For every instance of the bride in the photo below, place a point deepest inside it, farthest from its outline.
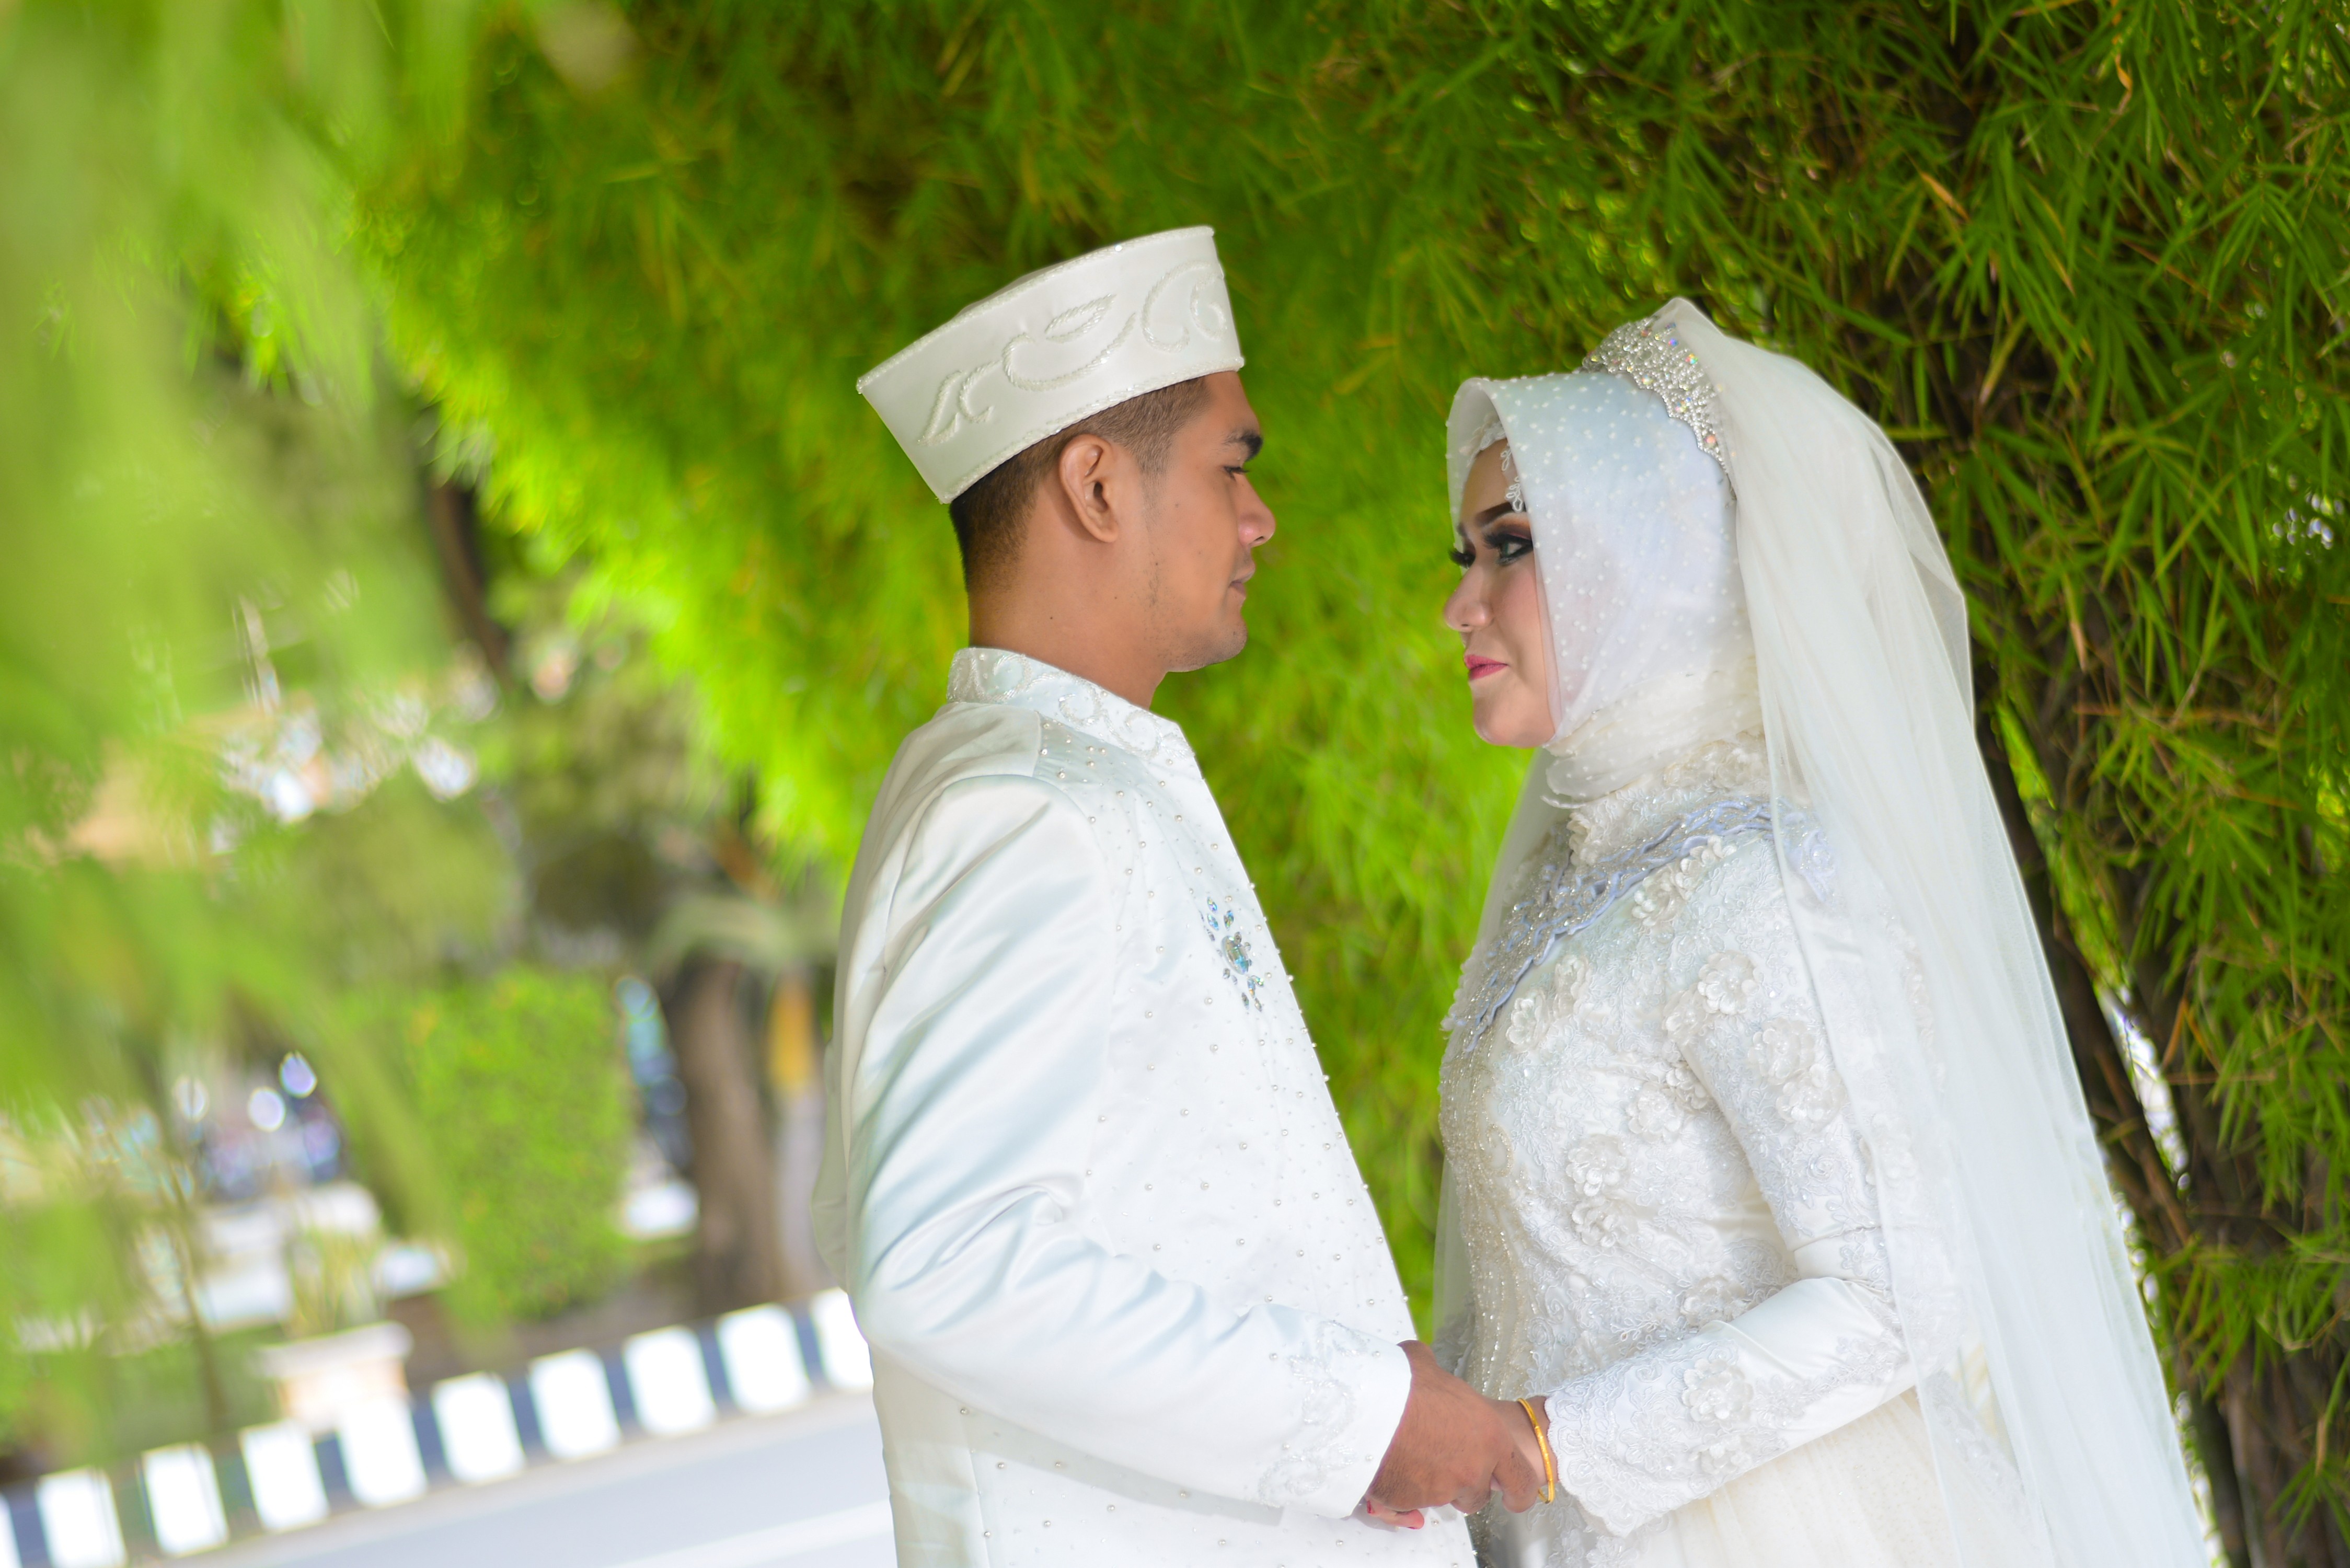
(1769, 1187)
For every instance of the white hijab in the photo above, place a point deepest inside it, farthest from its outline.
(1650, 646)
(1801, 582)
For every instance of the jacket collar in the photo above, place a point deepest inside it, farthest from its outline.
(1014, 680)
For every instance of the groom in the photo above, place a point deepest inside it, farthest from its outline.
(1127, 1298)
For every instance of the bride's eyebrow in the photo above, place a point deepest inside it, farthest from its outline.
(1492, 514)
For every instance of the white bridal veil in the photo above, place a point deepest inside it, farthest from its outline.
(1694, 498)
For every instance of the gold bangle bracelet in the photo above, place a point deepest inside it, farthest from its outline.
(1542, 1441)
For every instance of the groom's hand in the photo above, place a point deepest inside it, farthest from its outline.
(1453, 1446)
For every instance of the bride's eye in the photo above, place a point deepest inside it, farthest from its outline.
(1510, 547)
(1462, 556)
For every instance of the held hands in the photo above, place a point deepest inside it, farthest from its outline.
(1454, 1446)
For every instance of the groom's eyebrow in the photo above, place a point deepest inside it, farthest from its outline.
(1244, 436)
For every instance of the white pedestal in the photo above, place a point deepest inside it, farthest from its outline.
(318, 1379)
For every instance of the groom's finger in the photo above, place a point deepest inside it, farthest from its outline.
(1470, 1500)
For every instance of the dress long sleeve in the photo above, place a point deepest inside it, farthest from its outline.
(1658, 1430)
(961, 1210)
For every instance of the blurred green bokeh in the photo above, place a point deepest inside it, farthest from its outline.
(527, 1125)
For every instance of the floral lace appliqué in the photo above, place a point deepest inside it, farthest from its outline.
(1595, 1168)
(1713, 1299)
(1790, 1055)
(1539, 1008)
(1659, 900)
(1716, 1390)
(1725, 982)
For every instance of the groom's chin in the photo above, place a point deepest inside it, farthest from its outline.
(1225, 643)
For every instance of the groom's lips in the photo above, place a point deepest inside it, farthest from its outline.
(1481, 667)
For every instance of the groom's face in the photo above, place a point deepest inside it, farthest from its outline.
(1202, 524)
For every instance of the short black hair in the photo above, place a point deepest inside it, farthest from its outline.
(989, 515)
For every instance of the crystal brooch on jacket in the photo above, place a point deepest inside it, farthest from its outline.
(1239, 964)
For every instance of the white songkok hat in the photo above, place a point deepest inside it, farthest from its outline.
(1054, 347)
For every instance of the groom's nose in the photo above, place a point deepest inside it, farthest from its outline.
(1256, 517)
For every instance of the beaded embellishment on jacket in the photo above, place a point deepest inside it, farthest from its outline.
(1648, 354)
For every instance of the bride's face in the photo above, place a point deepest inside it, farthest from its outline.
(1497, 610)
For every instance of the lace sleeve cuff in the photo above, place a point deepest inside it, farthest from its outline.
(1644, 1437)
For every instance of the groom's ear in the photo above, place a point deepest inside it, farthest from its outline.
(1097, 484)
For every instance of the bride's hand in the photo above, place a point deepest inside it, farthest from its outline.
(1530, 1449)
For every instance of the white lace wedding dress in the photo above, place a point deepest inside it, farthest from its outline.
(1766, 1164)
(1668, 1216)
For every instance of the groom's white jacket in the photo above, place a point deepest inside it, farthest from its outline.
(1127, 1298)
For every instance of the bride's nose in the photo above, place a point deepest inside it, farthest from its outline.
(1465, 611)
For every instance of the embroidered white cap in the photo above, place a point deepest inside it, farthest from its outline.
(1059, 345)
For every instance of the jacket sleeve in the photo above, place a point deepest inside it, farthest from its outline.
(1661, 1429)
(974, 1091)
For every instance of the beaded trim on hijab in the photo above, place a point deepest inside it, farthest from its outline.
(1494, 434)
(1650, 356)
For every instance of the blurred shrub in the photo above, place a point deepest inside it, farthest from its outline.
(525, 1099)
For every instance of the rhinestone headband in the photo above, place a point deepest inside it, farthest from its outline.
(1648, 355)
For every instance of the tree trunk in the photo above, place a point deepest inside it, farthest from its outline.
(738, 1255)
(455, 521)
(2251, 1426)
(2133, 1161)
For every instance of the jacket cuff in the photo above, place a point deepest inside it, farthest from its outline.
(1352, 1390)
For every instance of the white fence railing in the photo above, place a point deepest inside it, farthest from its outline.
(464, 1431)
